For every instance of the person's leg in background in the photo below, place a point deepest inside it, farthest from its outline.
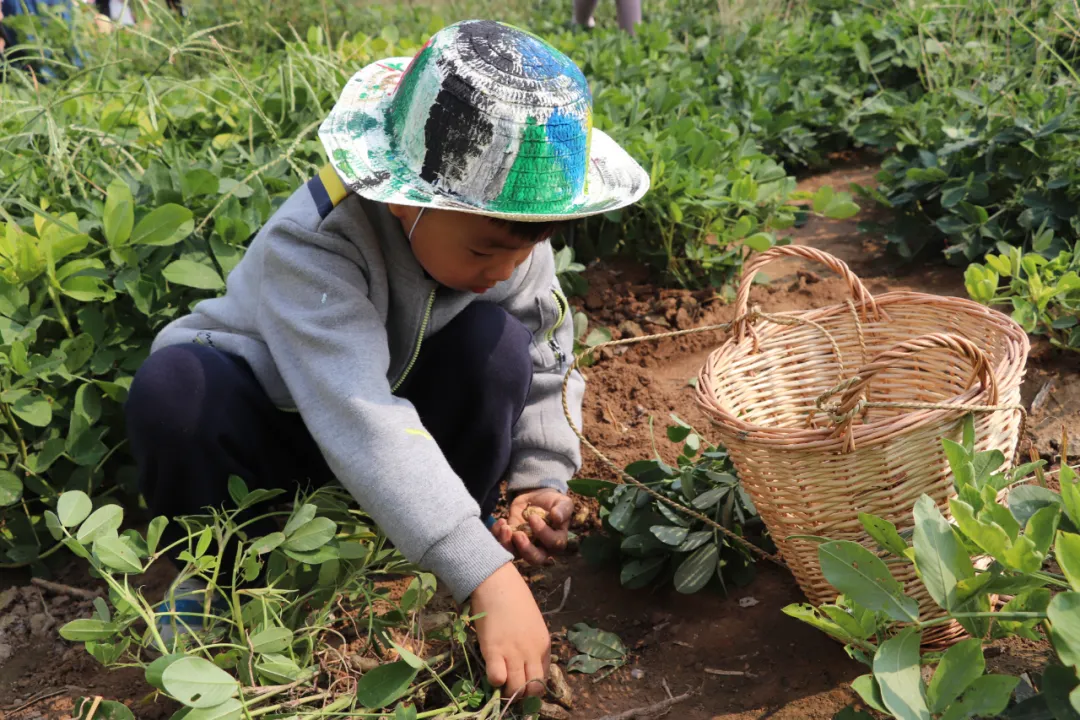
(583, 12)
(629, 13)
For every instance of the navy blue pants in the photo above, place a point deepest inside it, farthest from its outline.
(196, 415)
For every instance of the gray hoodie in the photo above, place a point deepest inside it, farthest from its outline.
(329, 306)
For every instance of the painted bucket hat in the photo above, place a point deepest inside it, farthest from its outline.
(487, 119)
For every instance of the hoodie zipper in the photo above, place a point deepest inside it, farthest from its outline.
(552, 342)
(419, 341)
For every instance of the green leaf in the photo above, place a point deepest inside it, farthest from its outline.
(884, 533)
(265, 544)
(198, 683)
(53, 523)
(860, 575)
(707, 499)
(155, 669)
(988, 696)
(959, 667)
(1025, 500)
(1070, 493)
(669, 534)
(596, 643)
(1059, 690)
(850, 713)
(73, 507)
(993, 539)
(85, 629)
(939, 556)
(870, 692)
(312, 535)
(166, 225)
(11, 488)
(590, 487)
(206, 535)
(384, 685)
(192, 274)
(760, 242)
(237, 489)
(1064, 615)
(106, 519)
(1067, 554)
(590, 665)
(959, 463)
(1036, 600)
(153, 533)
(34, 409)
(598, 336)
(1042, 526)
(896, 668)
(640, 572)
(696, 571)
(272, 640)
(231, 709)
(279, 668)
(88, 402)
(119, 213)
(198, 182)
(841, 209)
(408, 656)
(116, 554)
(622, 512)
(302, 516)
(822, 198)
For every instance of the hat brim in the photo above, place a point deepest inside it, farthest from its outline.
(355, 137)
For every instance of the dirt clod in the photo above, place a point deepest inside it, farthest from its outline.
(558, 689)
(363, 664)
(548, 711)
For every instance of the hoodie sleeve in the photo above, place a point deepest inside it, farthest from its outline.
(330, 346)
(546, 452)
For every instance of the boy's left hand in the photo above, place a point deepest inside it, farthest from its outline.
(551, 535)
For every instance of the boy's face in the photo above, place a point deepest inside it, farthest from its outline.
(463, 251)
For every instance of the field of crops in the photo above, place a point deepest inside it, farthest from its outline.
(136, 164)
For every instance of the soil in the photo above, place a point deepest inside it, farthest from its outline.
(791, 671)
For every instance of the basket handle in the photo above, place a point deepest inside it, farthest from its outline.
(742, 300)
(854, 394)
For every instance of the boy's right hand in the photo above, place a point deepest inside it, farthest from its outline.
(514, 638)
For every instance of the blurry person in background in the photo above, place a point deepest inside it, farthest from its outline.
(627, 11)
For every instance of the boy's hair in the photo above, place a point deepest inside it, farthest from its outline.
(532, 231)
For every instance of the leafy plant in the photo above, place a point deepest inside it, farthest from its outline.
(1044, 293)
(276, 613)
(655, 542)
(881, 625)
(569, 273)
(599, 649)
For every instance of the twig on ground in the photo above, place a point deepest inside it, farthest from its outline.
(663, 683)
(644, 712)
(43, 696)
(61, 589)
(730, 673)
(565, 597)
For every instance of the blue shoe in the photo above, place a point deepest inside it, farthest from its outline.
(188, 598)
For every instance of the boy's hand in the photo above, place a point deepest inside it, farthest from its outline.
(514, 638)
(551, 534)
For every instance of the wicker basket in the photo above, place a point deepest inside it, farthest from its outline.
(811, 472)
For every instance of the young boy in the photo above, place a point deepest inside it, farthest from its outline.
(397, 326)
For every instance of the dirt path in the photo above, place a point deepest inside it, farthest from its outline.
(793, 672)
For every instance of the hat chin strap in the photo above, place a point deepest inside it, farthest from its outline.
(417, 220)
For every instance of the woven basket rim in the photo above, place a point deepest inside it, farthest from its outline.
(879, 431)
